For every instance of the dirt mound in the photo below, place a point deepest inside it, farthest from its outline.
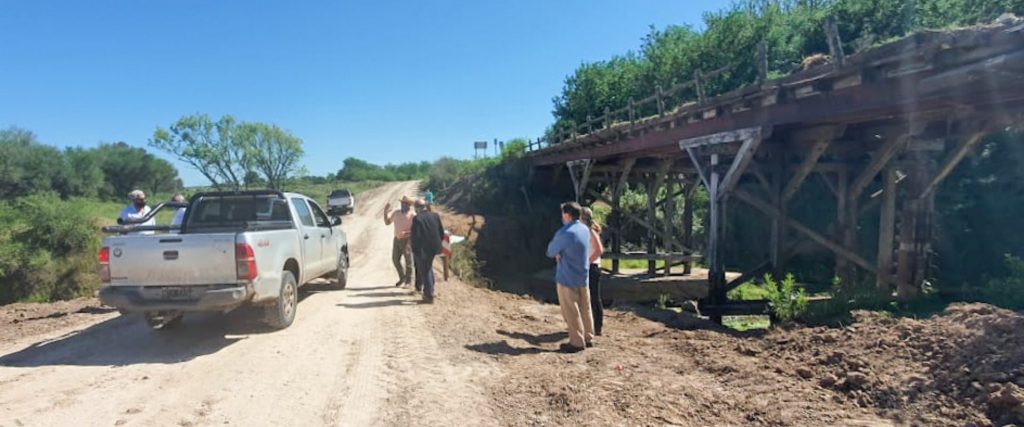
(966, 363)
(961, 367)
(26, 319)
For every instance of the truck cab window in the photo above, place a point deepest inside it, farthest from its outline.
(303, 211)
(321, 217)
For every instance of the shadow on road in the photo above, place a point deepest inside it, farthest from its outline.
(503, 348)
(127, 340)
(535, 339)
(385, 303)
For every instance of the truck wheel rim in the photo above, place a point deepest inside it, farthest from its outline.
(289, 300)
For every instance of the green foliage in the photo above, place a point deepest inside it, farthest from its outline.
(270, 151)
(786, 302)
(467, 267)
(47, 255)
(663, 301)
(354, 169)
(109, 171)
(229, 153)
(1006, 291)
(749, 291)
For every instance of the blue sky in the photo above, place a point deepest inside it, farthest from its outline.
(384, 81)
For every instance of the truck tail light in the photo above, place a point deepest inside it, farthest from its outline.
(245, 261)
(104, 258)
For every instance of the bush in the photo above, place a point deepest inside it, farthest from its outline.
(48, 254)
(786, 302)
(466, 266)
(1007, 291)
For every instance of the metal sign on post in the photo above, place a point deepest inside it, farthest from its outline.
(479, 147)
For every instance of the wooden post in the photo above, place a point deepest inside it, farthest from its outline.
(670, 214)
(590, 124)
(887, 227)
(652, 246)
(688, 224)
(607, 118)
(698, 83)
(627, 167)
(843, 222)
(777, 241)
(762, 63)
(716, 273)
(632, 113)
(835, 44)
(660, 96)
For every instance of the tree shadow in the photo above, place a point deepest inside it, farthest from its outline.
(382, 294)
(503, 348)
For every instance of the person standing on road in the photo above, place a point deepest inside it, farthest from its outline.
(136, 211)
(179, 215)
(596, 250)
(570, 247)
(427, 232)
(402, 219)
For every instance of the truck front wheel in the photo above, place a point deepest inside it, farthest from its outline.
(341, 274)
(281, 313)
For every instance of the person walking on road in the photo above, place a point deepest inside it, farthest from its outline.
(402, 219)
(596, 250)
(570, 247)
(427, 232)
(136, 211)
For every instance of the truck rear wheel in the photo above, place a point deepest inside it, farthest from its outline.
(281, 313)
(341, 274)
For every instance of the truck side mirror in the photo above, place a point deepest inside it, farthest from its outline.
(335, 221)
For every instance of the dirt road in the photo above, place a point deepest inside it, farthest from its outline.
(363, 356)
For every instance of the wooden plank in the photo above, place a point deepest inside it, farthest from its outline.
(688, 224)
(701, 170)
(950, 162)
(739, 165)
(887, 225)
(671, 256)
(754, 273)
(879, 159)
(756, 132)
(813, 235)
(805, 168)
(652, 245)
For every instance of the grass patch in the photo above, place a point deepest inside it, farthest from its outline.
(746, 323)
(631, 264)
(749, 291)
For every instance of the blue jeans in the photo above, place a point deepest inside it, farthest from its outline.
(425, 275)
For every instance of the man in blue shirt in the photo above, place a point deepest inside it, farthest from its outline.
(570, 248)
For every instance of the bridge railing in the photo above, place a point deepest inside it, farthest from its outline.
(669, 101)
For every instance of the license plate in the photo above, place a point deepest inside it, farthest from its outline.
(176, 293)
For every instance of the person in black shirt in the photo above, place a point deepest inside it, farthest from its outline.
(427, 232)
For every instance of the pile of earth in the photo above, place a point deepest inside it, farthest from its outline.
(966, 363)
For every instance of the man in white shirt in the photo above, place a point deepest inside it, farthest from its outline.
(136, 211)
(179, 216)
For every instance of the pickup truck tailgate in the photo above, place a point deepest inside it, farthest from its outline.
(170, 259)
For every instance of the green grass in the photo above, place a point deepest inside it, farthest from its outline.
(749, 291)
(746, 323)
(630, 264)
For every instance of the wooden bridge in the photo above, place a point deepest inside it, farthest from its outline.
(882, 128)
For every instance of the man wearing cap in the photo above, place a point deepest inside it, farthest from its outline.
(427, 233)
(136, 211)
(402, 219)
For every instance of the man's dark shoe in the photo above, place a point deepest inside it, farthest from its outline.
(400, 281)
(427, 300)
(569, 348)
(591, 344)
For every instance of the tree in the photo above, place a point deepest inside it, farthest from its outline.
(126, 168)
(209, 147)
(270, 150)
(26, 166)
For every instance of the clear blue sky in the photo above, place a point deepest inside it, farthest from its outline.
(383, 81)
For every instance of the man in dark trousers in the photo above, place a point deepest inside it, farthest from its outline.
(427, 233)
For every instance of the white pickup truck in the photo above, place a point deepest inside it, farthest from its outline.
(233, 248)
